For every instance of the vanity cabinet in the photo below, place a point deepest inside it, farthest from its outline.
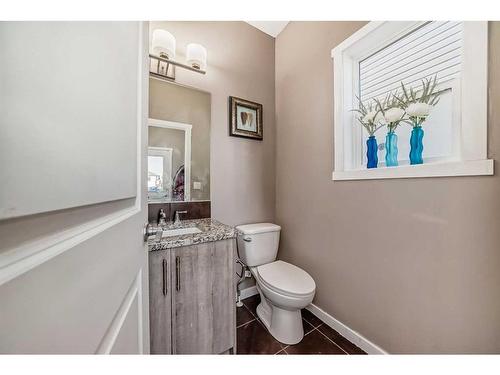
(192, 299)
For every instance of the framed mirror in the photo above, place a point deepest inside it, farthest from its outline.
(178, 143)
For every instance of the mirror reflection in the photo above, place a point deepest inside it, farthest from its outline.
(178, 143)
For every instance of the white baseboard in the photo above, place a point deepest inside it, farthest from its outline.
(248, 292)
(350, 334)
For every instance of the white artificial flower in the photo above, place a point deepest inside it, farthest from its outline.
(379, 118)
(418, 109)
(369, 117)
(394, 114)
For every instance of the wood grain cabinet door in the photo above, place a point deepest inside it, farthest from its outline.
(160, 302)
(203, 318)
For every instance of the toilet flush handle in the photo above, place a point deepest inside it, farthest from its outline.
(247, 239)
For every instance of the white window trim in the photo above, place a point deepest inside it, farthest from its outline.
(187, 149)
(473, 118)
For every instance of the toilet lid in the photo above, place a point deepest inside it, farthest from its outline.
(286, 278)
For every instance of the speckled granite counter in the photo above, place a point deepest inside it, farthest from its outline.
(211, 230)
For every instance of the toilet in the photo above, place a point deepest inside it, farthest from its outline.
(284, 289)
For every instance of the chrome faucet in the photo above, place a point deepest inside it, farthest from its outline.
(177, 219)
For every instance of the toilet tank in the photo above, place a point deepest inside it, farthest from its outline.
(258, 243)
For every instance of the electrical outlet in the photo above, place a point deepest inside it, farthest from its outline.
(197, 185)
(248, 273)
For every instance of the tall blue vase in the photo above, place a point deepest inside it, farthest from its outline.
(391, 149)
(416, 145)
(371, 152)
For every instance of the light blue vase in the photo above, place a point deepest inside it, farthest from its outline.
(391, 149)
(416, 145)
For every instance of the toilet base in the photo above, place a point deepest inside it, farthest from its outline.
(284, 325)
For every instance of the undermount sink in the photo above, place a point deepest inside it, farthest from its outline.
(179, 232)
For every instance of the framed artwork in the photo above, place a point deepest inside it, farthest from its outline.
(245, 118)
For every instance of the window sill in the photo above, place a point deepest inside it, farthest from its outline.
(437, 169)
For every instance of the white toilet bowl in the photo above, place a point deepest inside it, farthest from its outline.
(284, 289)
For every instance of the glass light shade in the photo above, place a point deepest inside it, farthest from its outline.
(163, 44)
(196, 56)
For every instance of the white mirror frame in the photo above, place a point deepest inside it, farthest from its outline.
(187, 149)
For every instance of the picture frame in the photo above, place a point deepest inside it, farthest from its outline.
(245, 119)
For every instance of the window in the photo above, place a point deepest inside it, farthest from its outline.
(373, 62)
(159, 172)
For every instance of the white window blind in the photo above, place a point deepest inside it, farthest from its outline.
(433, 48)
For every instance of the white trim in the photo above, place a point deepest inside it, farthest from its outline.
(472, 101)
(109, 339)
(249, 292)
(187, 149)
(475, 91)
(17, 261)
(347, 332)
(140, 325)
(438, 169)
(169, 124)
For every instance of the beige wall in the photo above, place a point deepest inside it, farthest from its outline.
(240, 63)
(411, 264)
(172, 102)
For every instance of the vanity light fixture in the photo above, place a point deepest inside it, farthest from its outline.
(162, 63)
(196, 56)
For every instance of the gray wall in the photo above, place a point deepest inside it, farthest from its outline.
(240, 63)
(411, 264)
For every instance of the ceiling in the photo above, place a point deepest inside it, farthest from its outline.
(272, 28)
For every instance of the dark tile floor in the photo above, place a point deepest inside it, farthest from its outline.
(319, 338)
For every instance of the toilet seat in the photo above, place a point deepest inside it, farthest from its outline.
(286, 279)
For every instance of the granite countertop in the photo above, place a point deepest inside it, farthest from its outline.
(211, 230)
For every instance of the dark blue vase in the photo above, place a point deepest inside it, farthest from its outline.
(391, 149)
(416, 145)
(371, 152)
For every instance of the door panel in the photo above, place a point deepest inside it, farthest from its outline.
(69, 113)
(75, 281)
(128, 340)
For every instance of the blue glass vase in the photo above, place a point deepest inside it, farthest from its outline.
(391, 149)
(416, 145)
(371, 152)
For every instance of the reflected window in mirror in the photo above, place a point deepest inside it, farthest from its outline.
(159, 173)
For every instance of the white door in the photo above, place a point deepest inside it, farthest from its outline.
(73, 112)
